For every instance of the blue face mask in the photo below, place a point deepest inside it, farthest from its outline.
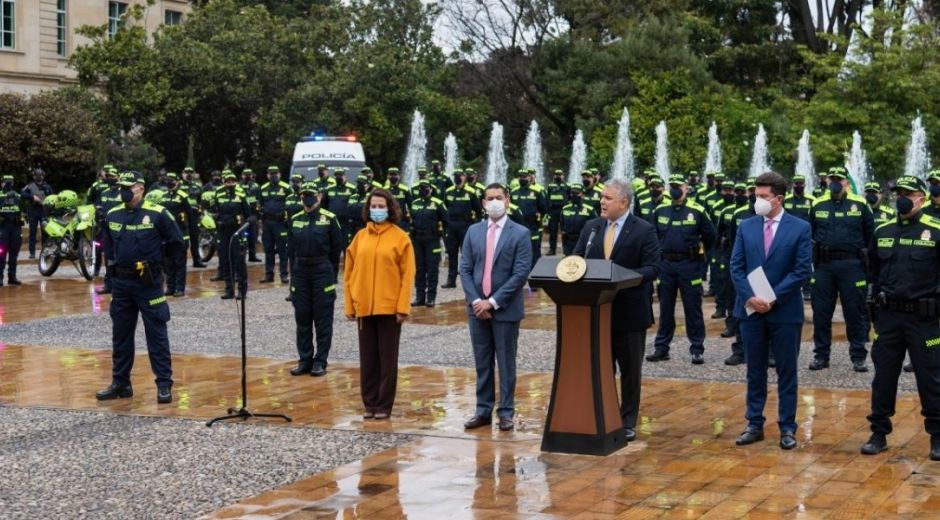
(378, 215)
(127, 195)
(675, 193)
(835, 186)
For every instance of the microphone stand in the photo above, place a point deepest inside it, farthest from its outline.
(242, 413)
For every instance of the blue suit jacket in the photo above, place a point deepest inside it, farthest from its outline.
(511, 267)
(787, 266)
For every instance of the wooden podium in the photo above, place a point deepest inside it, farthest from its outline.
(583, 413)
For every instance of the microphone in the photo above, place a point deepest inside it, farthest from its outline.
(590, 240)
(251, 220)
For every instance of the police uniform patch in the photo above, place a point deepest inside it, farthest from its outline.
(854, 207)
(925, 235)
(690, 217)
(146, 219)
(322, 218)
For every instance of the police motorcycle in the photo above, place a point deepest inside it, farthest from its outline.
(208, 233)
(68, 233)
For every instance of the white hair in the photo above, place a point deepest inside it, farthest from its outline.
(624, 190)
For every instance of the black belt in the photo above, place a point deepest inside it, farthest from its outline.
(310, 260)
(131, 273)
(676, 257)
(900, 305)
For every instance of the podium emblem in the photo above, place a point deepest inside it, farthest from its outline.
(571, 268)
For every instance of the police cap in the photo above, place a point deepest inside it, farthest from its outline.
(798, 178)
(837, 172)
(228, 174)
(657, 180)
(7, 178)
(273, 168)
(873, 186)
(309, 187)
(910, 183)
(131, 178)
(676, 179)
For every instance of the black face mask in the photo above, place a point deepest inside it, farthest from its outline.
(230, 190)
(740, 200)
(322, 175)
(798, 190)
(558, 178)
(675, 193)
(576, 199)
(523, 183)
(472, 179)
(586, 183)
(110, 181)
(458, 180)
(710, 183)
(340, 180)
(424, 192)
(751, 199)
(423, 175)
(217, 180)
(393, 179)
(127, 194)
(172, 185)
(656, 193)
(7, 186)
(904, 205)
(835, 187)
(934, 190)
(436, 169)
(361, 188)
(728, 198)
(871, 198)
(310, 200)
(296, 186)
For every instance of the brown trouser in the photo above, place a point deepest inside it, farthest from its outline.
(378, 361)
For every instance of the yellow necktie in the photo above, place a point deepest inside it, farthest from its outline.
(609, 239)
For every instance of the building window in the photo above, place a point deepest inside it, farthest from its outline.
(60, 28)
(116, 12)
(7, 24)
(172, 17)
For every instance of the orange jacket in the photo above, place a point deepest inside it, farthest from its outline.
(379, 272)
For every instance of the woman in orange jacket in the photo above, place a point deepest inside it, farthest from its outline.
(378, 276)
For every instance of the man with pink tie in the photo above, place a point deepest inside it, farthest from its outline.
(495, 262)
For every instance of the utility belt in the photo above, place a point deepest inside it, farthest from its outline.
(678, 257)
(311, 260)
(926, 308)
(143, 271)
(822, 254)
(274, 217)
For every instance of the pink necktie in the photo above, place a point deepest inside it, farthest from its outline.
(768, 236)
(488, 261)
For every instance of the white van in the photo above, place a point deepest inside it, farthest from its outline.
(331, 151)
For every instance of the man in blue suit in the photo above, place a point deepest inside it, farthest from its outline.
(494, 265)
(782, 245)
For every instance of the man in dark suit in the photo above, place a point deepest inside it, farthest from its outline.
(631, 242)
(494, 266)
(781, 244)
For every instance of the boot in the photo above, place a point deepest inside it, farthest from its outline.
(14, 281)
(877, 443)
(430, 302)
(719, 314)
(216, 278)
(229, 294)
(451, 284)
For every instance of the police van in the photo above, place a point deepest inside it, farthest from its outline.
(330, 151)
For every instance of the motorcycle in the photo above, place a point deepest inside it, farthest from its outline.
(69, 237)
(207, 237)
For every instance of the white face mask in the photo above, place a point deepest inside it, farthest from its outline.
(495, 208)
(762, 207)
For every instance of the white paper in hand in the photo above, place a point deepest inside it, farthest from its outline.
(761, 288)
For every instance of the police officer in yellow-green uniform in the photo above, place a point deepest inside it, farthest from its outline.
(654, 197)
(686, 233)
(882, 212)
(402, 194)
(574, 216)
(316, 239)
(798, 203)
(463, 209)
(190, 184)
(138, 232)
(740, 209)
(176, 203)
(11, 228)
(592, 193)
(252, 194)
(474, 182)
(104, 200)
(557, 193)
(439, 179)
(233, 211)
(338, 196)
(356, 202)
(904, 269)
(428, 221)
(721, 252)
(533, 207)
(323, 181)
(842, 225)
(932, 205)
(293, 205)
(272, 199)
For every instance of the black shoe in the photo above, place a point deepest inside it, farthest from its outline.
(698, 359)
(285, 279)
(289, 298)
(551, 252)
(727, 333)
(240, 296)
(318, 370)
(32, 257)
(719, 314)
(266, 279)
(104, 290)
(179, 294)
(505, 424)
(216, 278)
(300, 369)
(14, 281)
(164, 395)
(908, 367)
(449, 285)
(787, 441)
(199, 265)
(819, 364)
(771, 362)
(228, 295)
(417, 303)
(749, 436)
(877, 443)
(935, 447)
(114, 391)
(734, 360)
(629, 434)
(255, 260)
(859, 366)
(658, 355)
(477, 421)
(429, 303)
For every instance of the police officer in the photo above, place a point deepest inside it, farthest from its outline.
(97, 187)
(323, 181)
(177, 205)
(439, 179)
(574, 216)
(423, 176)
(160, 183)
(881, 212)
(685, 232)
(273, 199)
(214, 182)
(932, 206)
(293, 205)
(592, 195)
(731, 219)
(104, 199)
(252, 194)
(11, 224)
(316, 239)
(402, 194)
(33, 194)
(904, 269)
(369, 175)
(463, 209)
(233, 211)
(557, 192)
(653, 197)
(842, 228)
(474, 183)
(193, 189)
(138, 233)
(798, 203)
(338, 197)
(356, 202)
(721, 253)
(533, 207)
(428, 220)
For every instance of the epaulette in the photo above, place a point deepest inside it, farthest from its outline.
(855, 198)
(437, 200)
(283, 184)
(327, 213)
(695, 205)
(298, 214)
(742, 208)
(150, 206)
(265, 185)
(119, 207)
(825, 197)
(929, 221)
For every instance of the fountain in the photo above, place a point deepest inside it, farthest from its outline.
(578, 158)
(417, 147)
(662, 151)
(451, 158)
(918, 157)
(804, 163)
(622, 165)
(496, 164)
(532, 154)
(713, 159)
(856, 163)
(760, 160)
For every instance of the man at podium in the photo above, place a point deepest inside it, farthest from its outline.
(630, 242)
